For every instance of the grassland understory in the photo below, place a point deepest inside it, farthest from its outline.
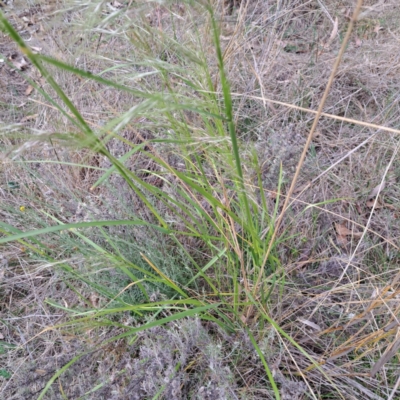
(156, 241)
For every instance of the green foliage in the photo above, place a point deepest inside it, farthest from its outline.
(217, 209)
(5, 374)
(207, 230)
(4, 347)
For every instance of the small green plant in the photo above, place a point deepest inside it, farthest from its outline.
(5, 374)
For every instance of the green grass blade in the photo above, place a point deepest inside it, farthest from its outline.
(58, 373)
(77, 225)
(264, 362)
(174, 317)
(35, 61)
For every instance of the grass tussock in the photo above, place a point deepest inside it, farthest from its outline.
(199, 200)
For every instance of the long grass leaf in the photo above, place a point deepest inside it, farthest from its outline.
(77, 225)
(174, 317)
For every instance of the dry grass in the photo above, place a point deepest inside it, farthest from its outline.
(339, 246)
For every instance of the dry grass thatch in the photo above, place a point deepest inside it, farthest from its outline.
(338, 242)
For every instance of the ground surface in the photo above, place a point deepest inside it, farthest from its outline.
(341, 249)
